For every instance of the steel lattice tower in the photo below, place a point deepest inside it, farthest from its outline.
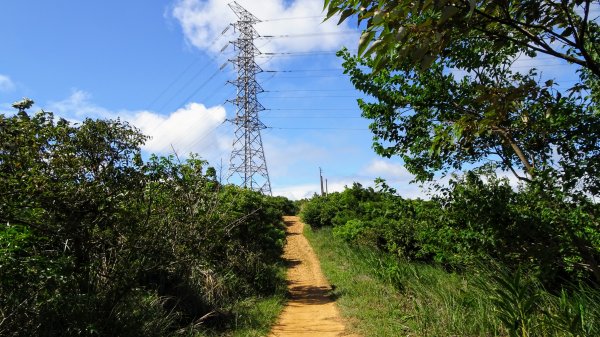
(247, 159)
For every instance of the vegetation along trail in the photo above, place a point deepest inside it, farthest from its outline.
(311, 311)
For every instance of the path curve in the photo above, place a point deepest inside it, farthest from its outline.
(310, 311)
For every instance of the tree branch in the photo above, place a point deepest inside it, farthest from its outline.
(508, 164)
(505, 134)
(539, 44)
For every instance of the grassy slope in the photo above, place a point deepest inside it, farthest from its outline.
(382, 296)
(371, 307)
(431, 303)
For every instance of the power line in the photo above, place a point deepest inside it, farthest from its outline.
(306, 34)
(290, 54)
(319, 128)
(293, 18)
(312, 96)
(192, 79)
(302, 70)
(181, 74)
(172, 83)
(309, 90)
(311, 117)
(310, 109)
(314, 76)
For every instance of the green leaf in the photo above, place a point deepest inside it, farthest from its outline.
(401, 33)
(365, 39)
(377, 17)
(345, 14)
(374, 46)
(331, 12)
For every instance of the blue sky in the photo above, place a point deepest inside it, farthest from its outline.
(157, 65)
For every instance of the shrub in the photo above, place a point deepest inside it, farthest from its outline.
(94, 241)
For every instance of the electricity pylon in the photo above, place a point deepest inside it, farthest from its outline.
(247, 160)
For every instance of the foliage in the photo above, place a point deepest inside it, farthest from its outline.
(287, 206)
(95, 241)
(381, 295)
(448, 95)
(471, 222)
(425, 30)
(515, 303)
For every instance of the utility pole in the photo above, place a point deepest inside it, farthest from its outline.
(247, 162)
(326, 187)
(321, 176)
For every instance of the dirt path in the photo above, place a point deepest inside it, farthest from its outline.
(310, 310)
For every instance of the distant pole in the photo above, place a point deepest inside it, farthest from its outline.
(321, 176)
(326, 187)
(221, 172)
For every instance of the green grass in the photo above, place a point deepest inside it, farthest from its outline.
(382, 296)
(370, 306)
(253, 317)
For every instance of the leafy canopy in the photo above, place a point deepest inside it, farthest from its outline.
(448, 93)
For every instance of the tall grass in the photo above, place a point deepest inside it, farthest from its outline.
(382, 296)
(251, 317)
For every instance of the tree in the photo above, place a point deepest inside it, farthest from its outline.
(96, 242)
(448, 95)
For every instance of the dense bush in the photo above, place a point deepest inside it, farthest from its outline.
(533, 252)
(287, 206)
(472, 222)
(95, 241)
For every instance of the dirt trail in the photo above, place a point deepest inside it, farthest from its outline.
(310, 310)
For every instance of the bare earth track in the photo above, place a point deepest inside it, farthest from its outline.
(310, 311)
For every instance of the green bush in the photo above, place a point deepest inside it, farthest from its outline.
(471, 222)
(96, 242)
(350, 231)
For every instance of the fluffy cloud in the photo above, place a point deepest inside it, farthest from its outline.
(301, 191)
(191, 129)
(203, 21)
(6, 84)
(397, 177)
(394, 173)
(78, 106)
(296, 192)
(291, 157)
(390, 170)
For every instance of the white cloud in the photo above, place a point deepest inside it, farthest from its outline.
(191, 129)
(79, 105)
(6, 84)
(286, 158)
(394, 173)
(390, 170)
(203, 21)
(397, 177)
(297, 192)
